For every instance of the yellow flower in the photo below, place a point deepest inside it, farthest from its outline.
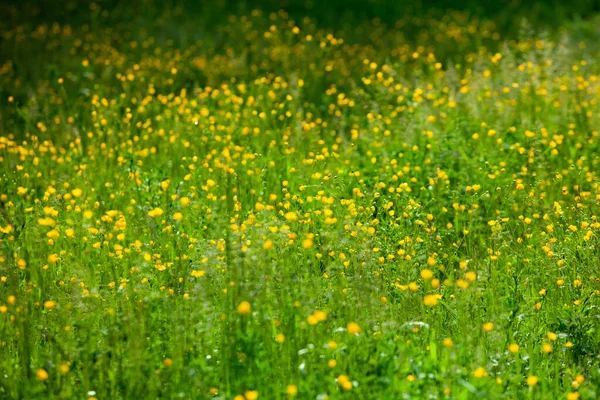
(320, 315)
(480, 373)
(513, 348)
(77, 192)
(64, 368)
(268, 244)
(532, 380)
(198, 273)
(291, 216)
(8, 229)
(41, 374)
(49, 304)
(292, 390)
(488, 327)
(251, 394)
(157, 212)
(426, 274)
(432, 299)
(178, 216)
(547, 348)
(46, 221)
(353, 328)
(244, 307)
(344, 382)
(307, 243)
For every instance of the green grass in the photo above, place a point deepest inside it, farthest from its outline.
(261, 205)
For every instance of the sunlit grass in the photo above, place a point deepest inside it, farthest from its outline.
(273, 210)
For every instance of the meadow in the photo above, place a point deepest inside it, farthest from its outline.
(264, 204)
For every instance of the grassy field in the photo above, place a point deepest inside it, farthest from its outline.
(252, 203)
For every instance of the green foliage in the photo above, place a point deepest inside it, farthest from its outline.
(232, 200)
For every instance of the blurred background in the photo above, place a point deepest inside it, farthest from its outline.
(549, 14)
